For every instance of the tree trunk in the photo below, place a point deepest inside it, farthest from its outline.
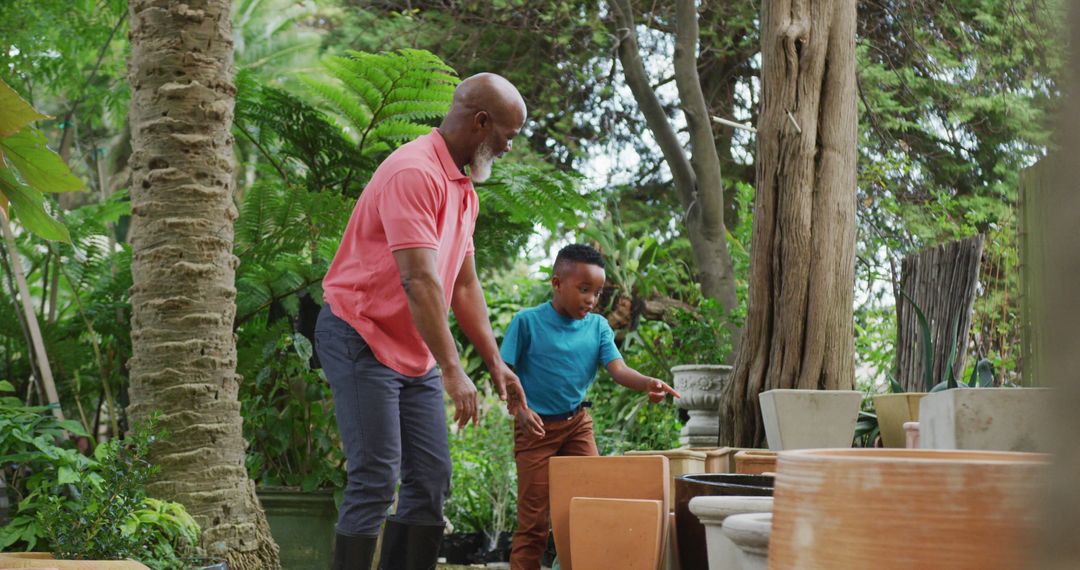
(183, 362)
(942, 282)
(799, 331)
(697, 178)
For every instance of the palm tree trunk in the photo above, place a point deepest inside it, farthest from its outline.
(183, 296)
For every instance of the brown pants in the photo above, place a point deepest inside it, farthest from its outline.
(570, 437)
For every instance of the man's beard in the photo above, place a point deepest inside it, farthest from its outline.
(480, 167)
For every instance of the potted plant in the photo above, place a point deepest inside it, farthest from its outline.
(294, 454)
(955, 416)
(898, 407)
(699, 343)
(482, 506)
(89, 512)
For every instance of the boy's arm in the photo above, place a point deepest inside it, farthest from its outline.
(470, 308)
(635, 380)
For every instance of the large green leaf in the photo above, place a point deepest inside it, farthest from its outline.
(40, 167)
(28, 204)
(15, 113)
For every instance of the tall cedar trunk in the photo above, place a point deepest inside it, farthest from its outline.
(802, 272)
(183, 296)
(942, 282)
(697, 177)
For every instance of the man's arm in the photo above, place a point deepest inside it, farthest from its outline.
(626, 376)
(470, 308)
(426, 303)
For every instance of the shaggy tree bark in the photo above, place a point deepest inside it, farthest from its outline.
(697, 177)
(942, 282)
(799, 331)
(183, 294)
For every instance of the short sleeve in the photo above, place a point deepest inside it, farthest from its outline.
(409, 206)
(514, 341)
(608, 350)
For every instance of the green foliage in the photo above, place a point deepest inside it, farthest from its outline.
(86, 508)
(28, 169)
(288, 414)
(483, 488)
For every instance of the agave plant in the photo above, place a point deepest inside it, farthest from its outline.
(982, 376)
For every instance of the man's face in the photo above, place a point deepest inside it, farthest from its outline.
(577, 289)
(497, 142)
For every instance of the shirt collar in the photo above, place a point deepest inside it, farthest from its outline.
(447, 161)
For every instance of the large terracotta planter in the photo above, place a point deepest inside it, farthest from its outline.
(622, 533)
(680, 462)
(840, 509)
(989, 419)
(641, 477)
(755, 462)
(750, 534)
(808, 419)
(713, 511)
(693, 554)
(893, 410)
(302, 523)
(700, 386)
(46, 560)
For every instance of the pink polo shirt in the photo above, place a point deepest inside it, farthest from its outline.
(417, 198)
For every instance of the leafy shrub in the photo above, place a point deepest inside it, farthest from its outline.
(289, 418)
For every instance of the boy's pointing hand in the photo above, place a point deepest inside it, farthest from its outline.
(658, 390)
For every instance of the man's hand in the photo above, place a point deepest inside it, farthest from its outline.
(509, 387)
(530, 422)
(658, 390)
(463, 392)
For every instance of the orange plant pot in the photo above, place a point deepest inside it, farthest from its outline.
(755, 462)
(841, 509)
(43, 560)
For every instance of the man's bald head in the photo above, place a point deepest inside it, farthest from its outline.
(487, 112)
(491, 93)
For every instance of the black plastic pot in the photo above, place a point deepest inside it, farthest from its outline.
(461, 548)
(501, 552)
(693, 554)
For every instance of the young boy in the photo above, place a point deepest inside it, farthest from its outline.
(555, 349)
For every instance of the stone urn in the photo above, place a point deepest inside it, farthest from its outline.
(700, 386)
(750, 533)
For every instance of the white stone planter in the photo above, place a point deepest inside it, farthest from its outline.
(809, 419)
(712, 512)
(700, 386)
(986, 419)
(750, 533)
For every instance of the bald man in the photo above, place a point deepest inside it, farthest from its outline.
(383, 335)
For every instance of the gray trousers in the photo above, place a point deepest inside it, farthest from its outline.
(390, 425)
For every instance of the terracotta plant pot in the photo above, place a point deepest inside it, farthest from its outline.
(893, 411)
(680, 462)
(809, 419)
(46, 560)
(713, 511)
(755, 462)
(624, 533)
(693, 554)
(750, 534)
(988, 419)
(911, 435)
(700, 386)
(889, 509)
(642, 477)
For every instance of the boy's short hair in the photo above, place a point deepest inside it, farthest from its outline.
(577, 253)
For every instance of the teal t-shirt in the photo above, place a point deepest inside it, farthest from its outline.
(556, 357)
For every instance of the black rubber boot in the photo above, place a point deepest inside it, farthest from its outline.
(353, 552)
(409, 546)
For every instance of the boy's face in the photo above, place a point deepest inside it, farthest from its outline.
(577, 289)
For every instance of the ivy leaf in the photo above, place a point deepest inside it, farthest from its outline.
(40, 167)
(28, 205)
(15, 112)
